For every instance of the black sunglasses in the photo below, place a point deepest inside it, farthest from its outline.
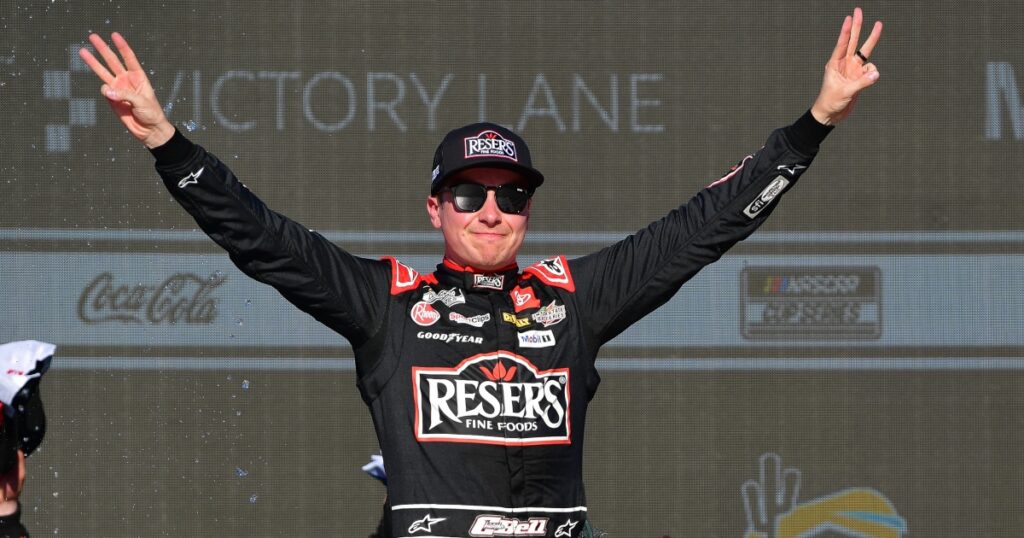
(470, 197)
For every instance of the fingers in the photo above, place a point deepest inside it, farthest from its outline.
(869, 45)
(871, 76)
(131, 98)
(113, 63)
(844, 38)
(96, 66)
(858, 20)
(130, 61)
(114, 68)
(110, 93)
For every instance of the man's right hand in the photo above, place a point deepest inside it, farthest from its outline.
(128, 91)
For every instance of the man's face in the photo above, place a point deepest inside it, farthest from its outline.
(487, 239)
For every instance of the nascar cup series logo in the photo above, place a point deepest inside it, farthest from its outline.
(811, 302)
(492, 398)
(490, 144)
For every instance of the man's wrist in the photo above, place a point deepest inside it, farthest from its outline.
(807, 133)
(822, 116)
(160, 135)
(175, 150)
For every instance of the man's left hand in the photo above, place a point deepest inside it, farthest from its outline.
(847, 72)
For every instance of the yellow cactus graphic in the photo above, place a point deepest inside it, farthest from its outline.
(773, 511)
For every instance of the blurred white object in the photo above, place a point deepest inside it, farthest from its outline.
(376, 468)
(20, 362)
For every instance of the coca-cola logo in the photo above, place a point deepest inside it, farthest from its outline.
(181, 298)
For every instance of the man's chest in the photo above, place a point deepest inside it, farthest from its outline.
(491, 368)
(440, 326)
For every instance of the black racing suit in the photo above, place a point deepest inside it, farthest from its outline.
(478, 384)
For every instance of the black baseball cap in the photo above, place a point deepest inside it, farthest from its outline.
(482, 145)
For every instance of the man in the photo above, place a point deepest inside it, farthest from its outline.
(478, 375)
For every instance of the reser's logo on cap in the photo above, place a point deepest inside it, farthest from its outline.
(490, 144)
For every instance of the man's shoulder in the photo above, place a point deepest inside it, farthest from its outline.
(405, 278)
(553, 272)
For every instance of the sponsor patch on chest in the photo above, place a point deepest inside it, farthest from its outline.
(488, 282)
(536, 339)
(494, 525)
(449, 297)
(550, 314)
(524, 298)
(475, 321)
(423, 314)
(508, 317)
(493, 398)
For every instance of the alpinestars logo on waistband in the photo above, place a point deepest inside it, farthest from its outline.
(424, 524)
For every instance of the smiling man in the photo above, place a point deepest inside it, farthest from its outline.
(481, 185)
(478, 375)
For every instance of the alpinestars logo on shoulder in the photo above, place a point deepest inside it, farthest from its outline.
(493, 398)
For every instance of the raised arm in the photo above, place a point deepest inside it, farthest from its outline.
(345, 292)
(624, 282)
